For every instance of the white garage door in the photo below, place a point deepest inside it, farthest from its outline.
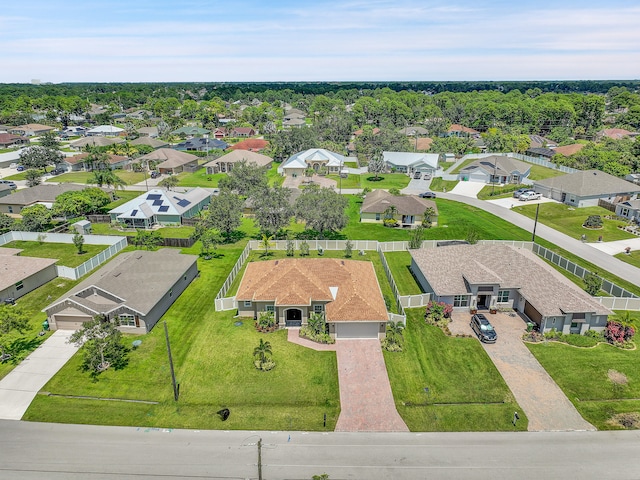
(357, 330)
(70, 322)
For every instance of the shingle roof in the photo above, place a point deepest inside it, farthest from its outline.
(160, 202)
(16, 268)
(538, 141)
(171, 157)
(298, 282)
(140, 279)
(615, 133)
(40, 193)
(378, 201)
(589, 183)
(96, 141)
(152, 142)
(240, 155)
(112, 159)
(501, 164)
(191, 131)
(446, 269)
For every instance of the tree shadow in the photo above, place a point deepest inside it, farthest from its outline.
(21, 347)
(234, 237)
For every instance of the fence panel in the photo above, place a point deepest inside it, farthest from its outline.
(227, 303)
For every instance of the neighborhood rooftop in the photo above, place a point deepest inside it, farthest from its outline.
(590, 182)
(378, 201)
(14, 268)
(450, 269)
(350, 286)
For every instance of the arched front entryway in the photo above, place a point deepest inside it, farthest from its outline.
(293, 317)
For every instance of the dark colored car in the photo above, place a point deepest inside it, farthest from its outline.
(20, 168)
(155, 174)
(483, 328)
(57, 171)
(427, 195)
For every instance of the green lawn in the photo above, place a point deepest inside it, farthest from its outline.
(66, 253)
(399, 263)
(16, 176)
(351, 182)
(438, 184)
(633, 258)
(213, 361)
(582, 374)
(200, 178)
(123, 196)
(127, 176)
(466, 391)
(464, 164)
(388, 180)
(538, 172)
(492, 192)
(569, 220)
(350, 164)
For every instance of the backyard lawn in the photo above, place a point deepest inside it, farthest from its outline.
(538, 172)
(213, 360)
(66, 253)
(399, 263)
(466, 391)
(583, 375)
(166, 232)
(569, 220)
(387, 181)
(130, 178)
(200, 178)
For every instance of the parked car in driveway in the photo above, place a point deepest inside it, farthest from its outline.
(11, 184)
(530, 196)
(483, 328)
(20, 168)
(520, 191)
(427, 195)
(417, 175)
(57, 171)
(155, 174)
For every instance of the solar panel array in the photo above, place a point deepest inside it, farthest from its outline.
(154, 196)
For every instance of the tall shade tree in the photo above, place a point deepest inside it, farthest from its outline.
(12, 319)
(224, 214)
(39, 157)
(377, 165)
(33, 177)
(245, 178)
(102, 346)
(35, 218)
(322, 209)
(272, 209)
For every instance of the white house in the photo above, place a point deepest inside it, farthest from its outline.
(104, 130)
(408, 162)
(315, 158)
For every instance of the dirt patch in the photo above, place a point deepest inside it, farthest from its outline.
(617, 378)
(629, 420)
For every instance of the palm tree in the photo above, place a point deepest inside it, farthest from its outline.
(429, 213)
(106, 177)
(394, 331)
(262, 350)
(266, 243)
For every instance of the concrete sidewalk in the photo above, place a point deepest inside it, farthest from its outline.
(20, 386)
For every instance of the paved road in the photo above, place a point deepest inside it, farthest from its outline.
(575, 246)
(35, 451)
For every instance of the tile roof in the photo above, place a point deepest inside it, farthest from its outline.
(461, 128)
(448, 269)
(412, 159)
(137, 279)
(615, 133)
(300, 159)
(377, 201)
(299, 281)
(589, 183)
(14, 268)
(568, 150)
(251, 144)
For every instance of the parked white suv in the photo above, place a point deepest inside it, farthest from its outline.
(530, 196)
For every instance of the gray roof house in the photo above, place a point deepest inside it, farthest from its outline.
(410, 162)
(170, 161)
(226, 162)
(494, 276)
(629, 209)
(134, 290)
(162, 207)
(633, 178)
(20, 275)
(409, 208)
(495, 169)
(315, 158)
(585, 188)
(44, 194)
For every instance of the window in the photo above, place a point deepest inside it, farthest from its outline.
(10, 209)
(503, 296)
(377, 216)
(19, 285)
(247, 303)
(461, 301)
(171, 292)
(270, 308)
(318, 308)
(126, 320)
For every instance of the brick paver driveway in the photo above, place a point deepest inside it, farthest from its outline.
(546, 406)
(366, 401)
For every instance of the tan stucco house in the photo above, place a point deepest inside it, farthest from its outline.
(409, 209)
(20, 275)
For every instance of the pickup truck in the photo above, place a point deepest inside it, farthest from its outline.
(530, 196)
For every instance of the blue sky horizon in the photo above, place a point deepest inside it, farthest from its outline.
(320, 40)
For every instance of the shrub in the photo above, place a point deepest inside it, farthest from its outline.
(266, 322)
(318, 337)
(438, 313)
(617, 334)
(592, 283)
(593, 221)
(391, 346)
(394, 191)
(390, 222)
(348, 249)
(304, 249)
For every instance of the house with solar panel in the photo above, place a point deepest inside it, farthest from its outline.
(160, 207)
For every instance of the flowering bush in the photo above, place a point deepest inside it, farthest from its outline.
(438, 313)
(617, 333)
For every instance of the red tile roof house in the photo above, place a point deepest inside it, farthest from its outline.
(456, 130)
(251, 144)
(615, 133)
(9, 140)
(346, 291)
(491, 277)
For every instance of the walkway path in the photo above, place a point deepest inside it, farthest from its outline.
(583, 250)
(20, 386)
(366, 401)
(546, 406)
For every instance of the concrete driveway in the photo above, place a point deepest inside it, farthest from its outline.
(546, 406)
(20, 386)
(511, 202)
(468, 189)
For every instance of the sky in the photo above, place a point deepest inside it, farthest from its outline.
(318, 40)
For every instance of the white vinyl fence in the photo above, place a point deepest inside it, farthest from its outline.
(115, 245)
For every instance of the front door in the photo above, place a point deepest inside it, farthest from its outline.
(293, 318)
(482, 301)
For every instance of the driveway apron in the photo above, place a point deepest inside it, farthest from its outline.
(19, 387)
(366, 401)
(546, 406)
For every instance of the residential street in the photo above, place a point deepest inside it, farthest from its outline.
(55, 451)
